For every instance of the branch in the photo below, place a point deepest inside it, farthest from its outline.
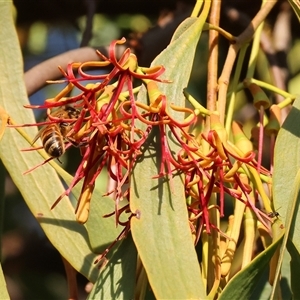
(243, 38)
(36, 77)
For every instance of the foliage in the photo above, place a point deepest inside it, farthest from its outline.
(175, 167)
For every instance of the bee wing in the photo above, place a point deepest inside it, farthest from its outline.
(37, 136)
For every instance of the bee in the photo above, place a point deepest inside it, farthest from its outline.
(273, 214)
(53, 135)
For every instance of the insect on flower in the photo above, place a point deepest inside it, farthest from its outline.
(53, 135)
(273, 214)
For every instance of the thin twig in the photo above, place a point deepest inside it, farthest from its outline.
(243, 38)
(71, 279)
(212, 72)
(36, 77)
(212, 90)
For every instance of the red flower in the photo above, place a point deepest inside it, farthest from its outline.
(105, 129)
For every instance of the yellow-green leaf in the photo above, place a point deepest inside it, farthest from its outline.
(3, 290)
(286, 166)
(161, 232)
(41, 187)
(242, 285)
(101, 231)
(117, 280)
(286, 181)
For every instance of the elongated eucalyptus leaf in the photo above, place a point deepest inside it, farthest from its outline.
(161, 233)
(2, 202)
(117, 280)
(101, 231)
(286, 166)
(263, 289)
(295, 269)
(286, 182)
(242, 285)
(3, 290)
(41, 187)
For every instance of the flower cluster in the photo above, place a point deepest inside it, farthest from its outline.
(215, 167)
(105, 129)
(108, 131)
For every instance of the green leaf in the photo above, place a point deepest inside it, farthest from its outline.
(102, 231)
(295, 269)
(2, 203)
(286, 166)
(117, 280)
(286, 180)
(241, 286)
(3, 289)
(263, 289)
(161, 233)
(41, 187)
(178, 60)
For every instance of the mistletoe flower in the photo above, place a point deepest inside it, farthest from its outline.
(105, 129)
(156, 114)
(217, 171)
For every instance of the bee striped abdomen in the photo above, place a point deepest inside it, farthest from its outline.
(53, 141)
(53, 136)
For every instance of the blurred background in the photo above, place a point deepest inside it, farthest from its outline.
(32, 267)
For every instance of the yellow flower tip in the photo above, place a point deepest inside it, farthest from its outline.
(83, 206)
(131, 63)
(275, 112)
(216, 125)
(83, 210)
(237, 128)
(273, 125)
(240, 139)
(244, 179)
(260, 99)
(91, 86)
(152, 86)
(82, 216)
(153, 92)
(121, 41)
